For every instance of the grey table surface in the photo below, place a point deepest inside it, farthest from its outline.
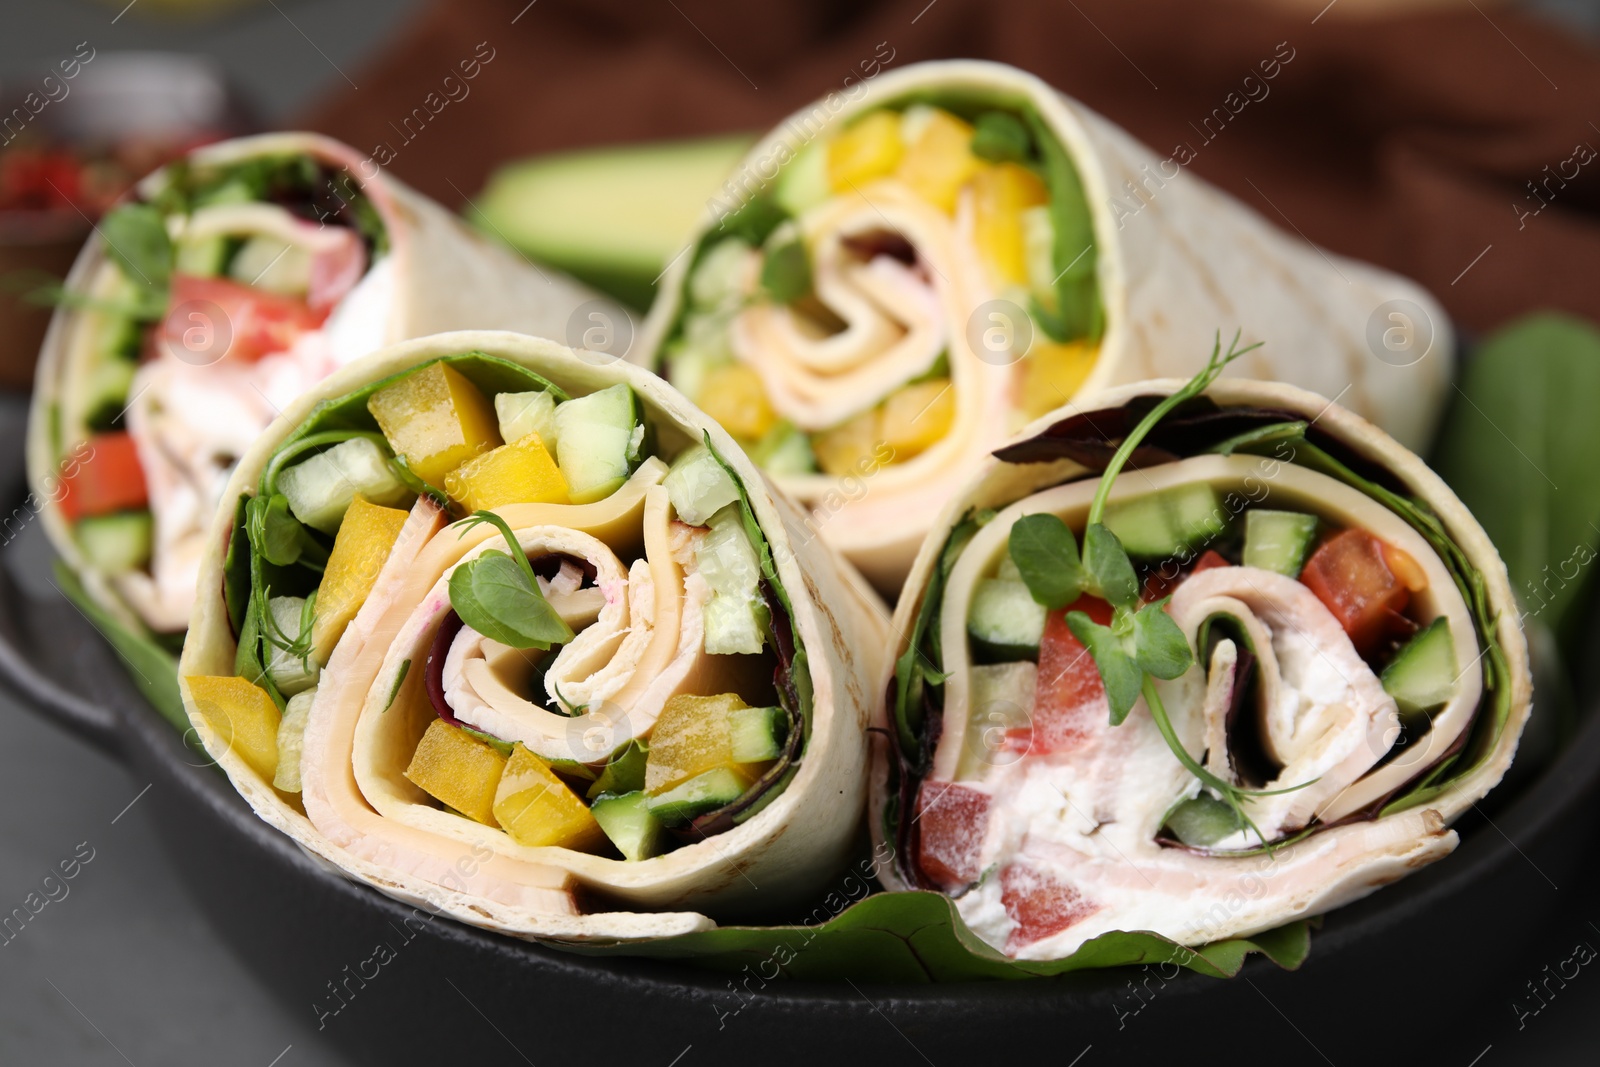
(117, 966)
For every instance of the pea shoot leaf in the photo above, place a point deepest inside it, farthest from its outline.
(1110, 571)
(498, 595)
(1118, 672)
(1046, 555)
(1159, 647)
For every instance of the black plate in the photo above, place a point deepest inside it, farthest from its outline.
(1382, 972)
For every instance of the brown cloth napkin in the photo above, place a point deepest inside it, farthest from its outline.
(1455, 146)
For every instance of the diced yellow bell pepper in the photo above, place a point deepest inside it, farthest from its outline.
(1000, 194)
(519, 473)
(940, 162)
(850, 447)
(537, 808)
(734, 396)
(455, 767)
(1052, 372)
(436, 419)
(693, 735)
(243, 716)
(364, 541)
(916, 416)
(869, 149)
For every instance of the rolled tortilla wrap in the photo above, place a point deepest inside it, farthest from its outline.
(442, 758)
(901, 276)
(288, 255)
(1359, 669)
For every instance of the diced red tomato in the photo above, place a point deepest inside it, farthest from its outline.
(103, 476)
(1364, 582)
(951, 820)
(254, 322)
(1040, 903)
(1158, 585)
(1069, 703)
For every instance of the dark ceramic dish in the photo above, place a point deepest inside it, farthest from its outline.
(1382, 974)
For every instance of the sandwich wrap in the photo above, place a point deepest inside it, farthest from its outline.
(225, 285)
(1359, 676)
(660, 714)
(903, 274)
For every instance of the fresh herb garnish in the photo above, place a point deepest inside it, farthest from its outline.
(1046, 554)
(786, 271)
(299, 646)
(136, 237)
(498, 595)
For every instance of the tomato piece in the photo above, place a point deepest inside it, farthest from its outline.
(103, 476)
(1040, 903)
(951, 820)
(1158, 585)
(1069, 703)
(209, 318)
(1364, 582)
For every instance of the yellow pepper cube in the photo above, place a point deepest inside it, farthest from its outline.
(451, 765)
(436, 419)
(916, 416)
(850, 447)
(870, 148)
(243, 716)
(1052, 373)
(693, 735)
(940, 162)
(364, 541)
(519, 473)
(734, 396)
(537, 808)
(1000, 194)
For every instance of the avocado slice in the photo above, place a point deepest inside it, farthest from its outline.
(612, 217)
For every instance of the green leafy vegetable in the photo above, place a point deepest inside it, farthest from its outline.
(1078, 311)
(1046, 555)
(136, 238)
(786, 271)
(1110, 572)
(1000, 137)
(281, 538)
(502, 747)
(498, 595)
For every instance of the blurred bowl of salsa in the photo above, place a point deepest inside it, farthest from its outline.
(74, 137)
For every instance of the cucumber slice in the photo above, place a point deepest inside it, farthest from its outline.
(785, 450)
(116, 543)
(290, 673)
(625, 772)
(698, 486)
(520, 414)
(757, 734)
(629, 823)
(804, 182)
(1168, 522)
(120, 337)
(1278, 540)
(717, 280)
(736, 616)
(206, 257)
(106, 392)
(1000, 697)
(1202, 821)
(1004, 621)
(599, 441)
(291, 740)
(270, 264)
(705, 792)
(613, 217)
(320, 488)
(1422, 676)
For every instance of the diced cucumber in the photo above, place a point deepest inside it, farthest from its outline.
(1202, 821)
(757, 733)
(106, 392)
(804, 183)
(1004, 621)
(625, 772)
(1008, 569)
(705, 792)
(115, 543)
(1168, 522)
(736, 616)
(291, 740)
(205, 257)
(599, 441)
(120, 337)
(520, 414)
(270, 264)
(785, 450)
(320, 488)
(698, 486)
(1422, 676)
(290, 673)
(716, 281)
(629, 823)
(1039, 249)
(999, 699)
(1278, 540)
